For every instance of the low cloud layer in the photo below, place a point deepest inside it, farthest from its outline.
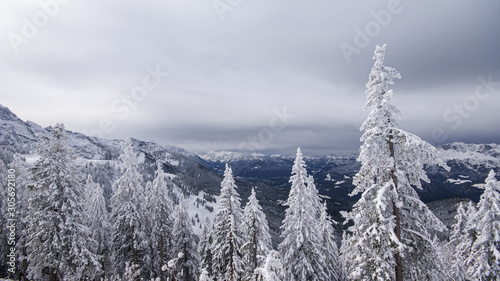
(212, 75)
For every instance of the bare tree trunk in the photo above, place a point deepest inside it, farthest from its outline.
(162, 257)
(254, 248)
(52, 274)
(231, 253)
(187, 276)
(397, 227)
(24, 265)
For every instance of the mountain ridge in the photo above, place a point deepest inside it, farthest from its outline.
(201, 174)
(100, 158)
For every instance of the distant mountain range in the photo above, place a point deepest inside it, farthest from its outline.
(199, 176)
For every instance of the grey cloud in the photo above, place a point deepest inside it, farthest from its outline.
(228, 76)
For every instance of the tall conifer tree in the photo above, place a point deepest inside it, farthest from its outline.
(160, 208)
(130, 240)
(227, 237)
(301, 252)
(59, 241)
(483, 262)
(257, 237)
(99, 224)
(390, 221)
(187, 265)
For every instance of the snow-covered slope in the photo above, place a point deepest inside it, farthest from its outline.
(472, 155)
(100, 157)
(15, 131)
(229, 156)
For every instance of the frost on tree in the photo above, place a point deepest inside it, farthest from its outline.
(301, 252)
(324, 223)
(272, 269)
(256, 234)
(130, 241)
(186, 267)
(329, 244)
(59, 242)
(390, 239)
(160, 208)
(99, 224)
(205, 249)
(458, 236)
(227, 238)
(462, 240)
(483, 262)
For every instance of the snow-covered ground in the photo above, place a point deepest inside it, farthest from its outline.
(197, 209)
(473, 154)
(458, 181)
(228, 156)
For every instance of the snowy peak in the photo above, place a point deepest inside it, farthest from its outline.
(472, 155)
(14, 131)
(7, 115)
(229, 156)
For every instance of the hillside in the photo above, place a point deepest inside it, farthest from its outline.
(200, 176)
(99, 157)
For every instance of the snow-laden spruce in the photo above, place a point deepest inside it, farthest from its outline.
(205, 249)
(463, 235)
(272, 269)
(227, 237)
(256, 236)
(186, 266)
(59, 243)
(483, 262)
(390, 239)
(99, 224)
(160, 209)
(128, 216)
(329, 244)
(458, 233)
(301, 250)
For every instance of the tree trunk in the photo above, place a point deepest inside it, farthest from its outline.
(231, 249)
(162, 257)
(397, 227)
(187, 276)
(52, 274)
(254, 247)
(24, 265)
(397, 255)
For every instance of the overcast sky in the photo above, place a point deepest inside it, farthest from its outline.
(260, 76)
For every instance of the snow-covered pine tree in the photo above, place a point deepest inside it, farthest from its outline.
(300, 249)
(187, 265)
(59, 241)
(457, 268)
(130, 242)
(205, 249)
(99, 225)
(272, 269)
(466, 240)
(325, 231)
(390, 221)
(205, 276)
(256, 234)
(346, 255)
(160, 208)
(483, 262)
(227, 238)
(329, 245)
